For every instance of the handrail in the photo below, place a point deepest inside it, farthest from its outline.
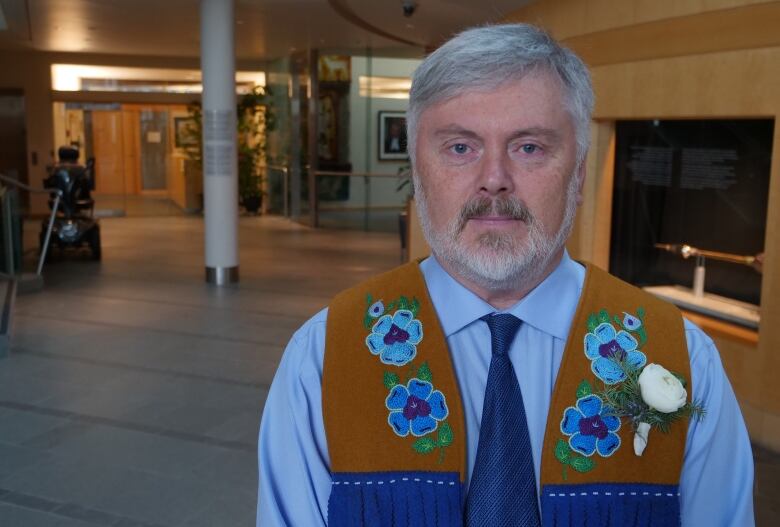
(28, 188)
(57, 197)
(334, 173)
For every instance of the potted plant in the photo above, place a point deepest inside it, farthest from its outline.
(254, 118)
(250, 193)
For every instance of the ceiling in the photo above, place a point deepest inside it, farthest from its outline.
(265, 29)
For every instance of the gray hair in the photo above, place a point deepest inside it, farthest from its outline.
(484, 58)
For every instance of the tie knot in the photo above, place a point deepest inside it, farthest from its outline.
(503, 328)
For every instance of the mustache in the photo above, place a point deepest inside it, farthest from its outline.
(506, 206)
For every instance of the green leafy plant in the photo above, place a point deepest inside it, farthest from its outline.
(255, 117)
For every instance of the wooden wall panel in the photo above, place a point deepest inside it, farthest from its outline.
(131, 149)
(749, 27)
(569, 18)
(684, 59)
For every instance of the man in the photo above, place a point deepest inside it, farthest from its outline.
(395, 141)
(452, 399)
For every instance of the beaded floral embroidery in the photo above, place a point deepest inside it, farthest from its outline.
(591, 425)
(415, 407)
(393, 337)
(590, 428)
(607, 347)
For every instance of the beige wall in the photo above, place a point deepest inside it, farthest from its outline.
(678, 59)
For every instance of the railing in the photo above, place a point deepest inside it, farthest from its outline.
(6, 211)
(367, 177)
(314, 214)
(285, 186)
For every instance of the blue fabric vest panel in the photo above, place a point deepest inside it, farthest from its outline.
(597, 505)
(395, 499)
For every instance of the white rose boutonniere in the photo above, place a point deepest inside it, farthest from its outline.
(649, 397)
(661, 390)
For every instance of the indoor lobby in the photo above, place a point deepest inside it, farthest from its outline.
(135, 366)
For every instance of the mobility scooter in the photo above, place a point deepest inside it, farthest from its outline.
(74, 225)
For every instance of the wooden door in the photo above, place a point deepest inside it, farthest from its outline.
(107, 147)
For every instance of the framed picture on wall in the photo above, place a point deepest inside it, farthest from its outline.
(392, 136)
(184, 137)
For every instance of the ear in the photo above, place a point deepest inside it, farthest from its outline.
(580, 175)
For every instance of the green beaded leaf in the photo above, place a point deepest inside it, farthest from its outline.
(415, 306)
(424, 372)
(584, 389)
(562, 451)
(369, 299)
(403, 303)
(368, 321)
(424, 445)
(390, 380)
(593, 322)
(603, 316)
(445, 435)
(642, 336)
(640, 312)
(582, 464)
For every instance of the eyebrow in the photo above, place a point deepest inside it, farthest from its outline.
(549, 134)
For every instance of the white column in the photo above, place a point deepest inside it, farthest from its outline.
(220, 172)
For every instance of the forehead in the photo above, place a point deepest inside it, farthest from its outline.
(537, 97)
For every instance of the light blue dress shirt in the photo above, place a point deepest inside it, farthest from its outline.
(717, 479)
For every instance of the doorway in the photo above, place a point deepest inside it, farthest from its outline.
(139, 170)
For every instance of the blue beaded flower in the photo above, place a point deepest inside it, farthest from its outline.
(604, 347)
(416, 407)
(591, 428)
(395, 338)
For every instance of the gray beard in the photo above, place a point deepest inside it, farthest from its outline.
(500, 262)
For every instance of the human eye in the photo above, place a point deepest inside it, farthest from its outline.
(529, 148)
(460, 148)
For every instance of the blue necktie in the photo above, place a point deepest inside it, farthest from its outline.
(502, 491)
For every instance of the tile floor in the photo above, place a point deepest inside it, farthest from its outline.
(132, 393)
(133, 390)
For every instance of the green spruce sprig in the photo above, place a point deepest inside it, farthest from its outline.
(625, 400)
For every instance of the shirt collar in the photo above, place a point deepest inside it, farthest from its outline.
(550, 307)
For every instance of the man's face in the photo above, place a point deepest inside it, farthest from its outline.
(498, 180)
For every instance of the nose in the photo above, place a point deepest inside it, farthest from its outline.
(495, 176)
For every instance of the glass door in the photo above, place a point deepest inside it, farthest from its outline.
(154, 149)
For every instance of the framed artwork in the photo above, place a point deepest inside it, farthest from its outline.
(392, 136)
(183, 135)
(334, 68)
